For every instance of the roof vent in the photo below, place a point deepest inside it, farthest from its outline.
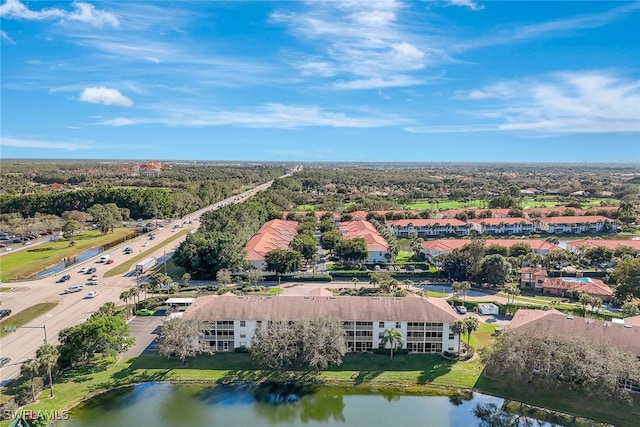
(570, 317)
(627, 326)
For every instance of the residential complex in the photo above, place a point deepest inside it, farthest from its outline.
(423, 322)
(427, 227)
(275, 234)
(580, 245)
(576, 224)
(377, 247)
(431, 248)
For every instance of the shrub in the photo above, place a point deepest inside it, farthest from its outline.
(24, 392)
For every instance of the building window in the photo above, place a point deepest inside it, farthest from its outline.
(451, 336)
(243, 323)
(380, 324)
(243, 335)
(398, 325)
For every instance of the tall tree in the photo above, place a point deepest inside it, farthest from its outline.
(179, 338)
(472, 325)
(105, 334)
(459, 327)
(393, 337)
(70, 228)
(283, 261)
(495, 269)
(627, 277)
(31, 369)
(47, 357)
(352, 250)
(329, 240)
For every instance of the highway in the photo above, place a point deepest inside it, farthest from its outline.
(73, 309)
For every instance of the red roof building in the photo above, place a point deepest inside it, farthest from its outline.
(275, 234)
(376, 245)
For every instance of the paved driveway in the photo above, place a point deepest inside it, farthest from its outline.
(144, 330)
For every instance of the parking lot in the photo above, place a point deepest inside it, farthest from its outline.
(144, 329)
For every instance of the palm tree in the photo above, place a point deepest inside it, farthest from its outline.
(461, 287)
(459, 327)
(393, 337)
(472, 325)
(124, 296)
(407, 283)
(135, 293)
(30, 369)
(47, 357)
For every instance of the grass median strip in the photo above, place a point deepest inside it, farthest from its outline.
(26, 316)
(126, 266)
(28, 262)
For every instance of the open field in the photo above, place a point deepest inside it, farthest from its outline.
(25, 316)
(28, 262)
(126, 265)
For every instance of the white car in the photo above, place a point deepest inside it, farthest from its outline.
(145, 244)
(461, 309)
(92, 294)
(82, 270)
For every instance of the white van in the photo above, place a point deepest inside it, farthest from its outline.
(72, 289)
(105, 258)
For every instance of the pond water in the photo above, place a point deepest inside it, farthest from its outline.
(69, 262)
(170, 405)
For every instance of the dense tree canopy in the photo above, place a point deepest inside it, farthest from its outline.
(627, 277)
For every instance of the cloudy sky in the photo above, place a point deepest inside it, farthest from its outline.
(455, 80)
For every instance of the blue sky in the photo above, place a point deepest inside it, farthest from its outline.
(455, 80)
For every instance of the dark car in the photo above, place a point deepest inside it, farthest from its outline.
(5, 312)
(64, 278)
(90, 270)
(4, 361)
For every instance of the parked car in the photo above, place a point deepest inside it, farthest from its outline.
(145, 312)
(92, 294)
(64, 278)
(145, 244)
(82, 270)
(72, 289)
(4, 361)
(461, 309)
(109, 261)
(411, 267)
(91, 270)
(5, 312)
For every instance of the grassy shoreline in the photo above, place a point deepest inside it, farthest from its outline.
(415, 374)
(77, 386)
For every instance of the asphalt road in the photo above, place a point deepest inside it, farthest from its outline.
(75, 308)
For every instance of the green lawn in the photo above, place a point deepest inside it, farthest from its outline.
(125, 266)
(413, 373)
(422, 204)
(301, 208)
(404, 256)
(25, 316)
(28, 262)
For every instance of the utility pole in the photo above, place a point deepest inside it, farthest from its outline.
(13, 329)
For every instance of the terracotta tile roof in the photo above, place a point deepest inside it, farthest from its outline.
(553, 322)
(424, 222)
(275, 234)
(292, 308)
(320, 292)
(498, 221)
(358, 215)
(412, 212)
(366, 230)
(575, 219)
(547, 210)
(602, 208)
(610, 244)
(594, 287)
(447, 245)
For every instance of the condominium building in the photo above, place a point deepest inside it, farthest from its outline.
(423, 322)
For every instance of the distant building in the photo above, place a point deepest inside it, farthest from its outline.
(533, 278)
(580, 245)
(576, 224)
(502, 226)
(427, 227)
(431, 248)
(594, 287)
(148, 168)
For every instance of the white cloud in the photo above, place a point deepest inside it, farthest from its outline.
(559, 103)
(106, 96)
(273, 115)
(5, 37)
(49, 145)
(363, 43)
(84, 12)
(469, 4)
